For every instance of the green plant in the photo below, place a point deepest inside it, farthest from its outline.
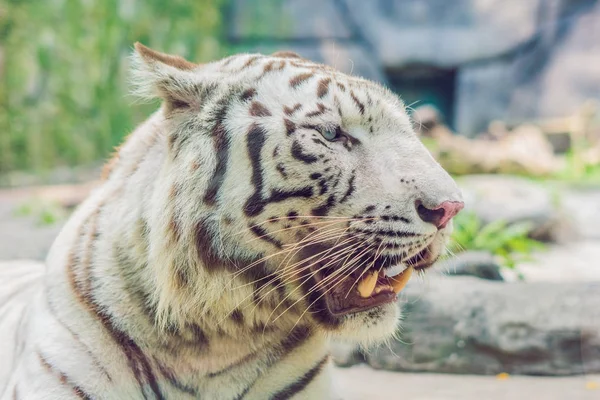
(63, 77)
(575, 170)
(43, 212)
(509, 242)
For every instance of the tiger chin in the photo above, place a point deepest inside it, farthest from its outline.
(270, 204)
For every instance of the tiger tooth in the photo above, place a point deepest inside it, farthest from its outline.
(367, 284)
(399, 282)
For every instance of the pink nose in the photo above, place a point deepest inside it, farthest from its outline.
(440, 215)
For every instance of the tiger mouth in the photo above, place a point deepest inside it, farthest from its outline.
(340, 294)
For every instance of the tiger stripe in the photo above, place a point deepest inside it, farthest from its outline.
(64, 379)
(298, 386)
(83, 292)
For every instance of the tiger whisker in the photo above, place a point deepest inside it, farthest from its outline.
(323, 294)
(274, 273)
(312, 290)
(311, 274)
(332, 235)
(377, 253)
(335, 256)
(285, 250)
(270, 220)
(329, 223)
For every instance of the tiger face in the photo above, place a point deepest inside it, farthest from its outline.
(291, 173)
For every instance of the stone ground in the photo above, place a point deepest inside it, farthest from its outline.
(23, 237)
(361, 382)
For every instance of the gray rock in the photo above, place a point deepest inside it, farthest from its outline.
(513, 199)
(468, 325)
(480, 264)
(552, 76)
(443, 33)
(583, 209)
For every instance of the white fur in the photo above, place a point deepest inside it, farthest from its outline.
(131, 251)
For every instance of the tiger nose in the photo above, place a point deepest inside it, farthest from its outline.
(440, 215)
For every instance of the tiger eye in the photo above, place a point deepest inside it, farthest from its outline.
(330, 134)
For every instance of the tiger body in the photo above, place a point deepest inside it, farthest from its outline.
(190, 271)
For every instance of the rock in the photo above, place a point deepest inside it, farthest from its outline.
(497, 152)
(468, 325)
(427, 32)
(513, 199)
(480, 264)
(574, 261)
(583, 209)
(554, 77)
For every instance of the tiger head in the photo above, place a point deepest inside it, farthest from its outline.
(296, 181)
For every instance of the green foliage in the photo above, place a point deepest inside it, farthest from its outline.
(576, 171)
(63, 77)
(43, 212)
(510, 243)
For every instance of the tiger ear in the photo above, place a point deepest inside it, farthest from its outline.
(168, 77)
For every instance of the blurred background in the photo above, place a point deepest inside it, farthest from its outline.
(505, 94)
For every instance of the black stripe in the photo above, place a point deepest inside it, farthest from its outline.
(291, 110)
(298, 154)
(290, 127)
(248, 94)
(350, 188)
(64, 379)
(255, 142)
(323, 87)
(361, 106)
(262, 234)
(299, 79)
(321, 110)
(324, 186)
(278, 195)
(83, 291)
(206, 252)
(237, 316)
(167, 373)
(236, 364)
(221, 144)
(322, 143)
(281, 169)
(323, 209)
(244, 392)
(300, 384)
(295, 339)
(257, 109)
(76, 338)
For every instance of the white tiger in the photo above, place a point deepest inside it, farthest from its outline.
(270, 204)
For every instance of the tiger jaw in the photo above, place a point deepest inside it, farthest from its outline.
(338, 291)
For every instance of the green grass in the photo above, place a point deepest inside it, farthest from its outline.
(63, 82)
(509, 243)
(42, 211)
